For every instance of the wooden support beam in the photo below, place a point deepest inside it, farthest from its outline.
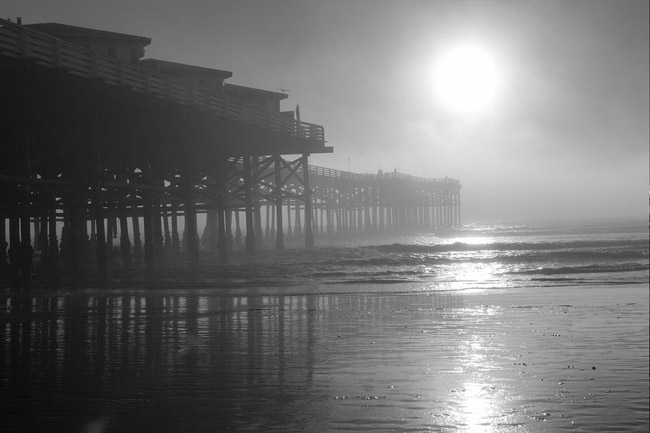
(53, 243)
(191, 231)
(176, 243)
(222, 241)
(156, 219)
(147, 225)
(72, 241)
(98, 205)
(137, 240)
(3, 246)
(125, 242)
(166, 232)
(102, 264)
(309, 234)
(257, 208)
(248, 197)
(279, 233)
(14, 243)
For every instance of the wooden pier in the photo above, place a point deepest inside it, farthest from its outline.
(101, 155)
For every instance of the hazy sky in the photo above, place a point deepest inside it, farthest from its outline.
(566, 134)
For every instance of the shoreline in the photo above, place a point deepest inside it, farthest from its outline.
(207, 288)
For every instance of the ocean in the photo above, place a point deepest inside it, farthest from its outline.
(478, 256)
(492, 327)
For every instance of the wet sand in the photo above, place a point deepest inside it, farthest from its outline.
(568, 360)
(521, 360)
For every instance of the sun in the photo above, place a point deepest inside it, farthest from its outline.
(466, 80)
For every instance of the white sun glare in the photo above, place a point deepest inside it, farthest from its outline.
(466, 79)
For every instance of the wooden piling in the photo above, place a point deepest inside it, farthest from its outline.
(248, 199)
(279, 233)
(309, 234)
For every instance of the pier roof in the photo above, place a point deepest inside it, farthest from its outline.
(64, 31)
(173, 68)
(243, 91)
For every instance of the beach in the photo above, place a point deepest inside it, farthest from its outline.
(529, 359)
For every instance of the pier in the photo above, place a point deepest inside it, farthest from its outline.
(106, 155)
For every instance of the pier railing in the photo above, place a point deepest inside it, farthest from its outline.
(339, 174)
(22, 42)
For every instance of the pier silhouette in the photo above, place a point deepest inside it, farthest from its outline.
(105, 152)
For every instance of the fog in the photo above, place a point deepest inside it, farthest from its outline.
(566, 135)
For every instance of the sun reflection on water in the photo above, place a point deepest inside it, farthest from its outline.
(479, 403)
(474, 240)
(477, 408)
(476, 276)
